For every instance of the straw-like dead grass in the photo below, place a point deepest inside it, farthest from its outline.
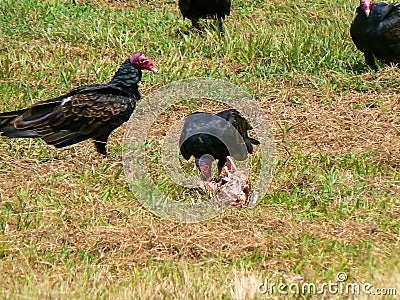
(354, 123)
(120, 241)
(70, 224)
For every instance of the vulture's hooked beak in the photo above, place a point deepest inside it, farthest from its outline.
(154, 70)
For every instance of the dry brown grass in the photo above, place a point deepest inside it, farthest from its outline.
(126, 241)
(354, 123)
(71, 226)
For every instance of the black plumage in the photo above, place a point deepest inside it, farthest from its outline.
(200, 9)
(91, 111)
(376, 31)
(208, 137)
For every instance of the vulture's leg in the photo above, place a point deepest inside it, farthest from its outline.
(195, 24)
(221, 24)
(101, 146)
(370, 61)
(221, 164)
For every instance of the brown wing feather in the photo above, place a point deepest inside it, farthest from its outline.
(72, 118)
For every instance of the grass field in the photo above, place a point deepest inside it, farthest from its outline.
(70, 224)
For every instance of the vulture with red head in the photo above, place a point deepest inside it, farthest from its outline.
(87, 112)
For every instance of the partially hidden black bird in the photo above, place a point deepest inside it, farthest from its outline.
(201, 9)
(208, 137)
(91, 111)
(376, 31)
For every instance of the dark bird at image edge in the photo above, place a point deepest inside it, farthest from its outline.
(376, 31)
(201, 9)
(91, 111)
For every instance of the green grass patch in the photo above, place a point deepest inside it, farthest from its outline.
(70, 225)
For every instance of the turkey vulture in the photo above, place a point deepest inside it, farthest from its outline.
(196, 9)
(376, 31)
(91, 111)
(232, 188)
(208, 137)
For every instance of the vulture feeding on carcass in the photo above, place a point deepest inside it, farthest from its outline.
(207, 137)
(201, 9)
(376, 31)
(232, 188)
(91, 111)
